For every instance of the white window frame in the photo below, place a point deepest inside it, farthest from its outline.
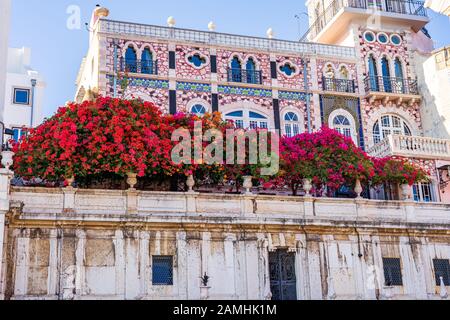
(419, 188)
(246, 120)
(392, 130)
(14, 96)
(352, 127)
(292, 124)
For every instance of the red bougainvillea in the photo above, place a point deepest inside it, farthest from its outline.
(108, 135)
(397, 171)
(115, 137)
(326, 157)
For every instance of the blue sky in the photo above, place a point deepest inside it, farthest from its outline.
(57, 51)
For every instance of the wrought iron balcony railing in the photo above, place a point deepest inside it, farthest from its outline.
(409, 7)
(338, 85)
(391, 85)
(244, 76)
(139, 66)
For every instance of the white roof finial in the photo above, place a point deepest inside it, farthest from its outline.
(270, 33)
(171, 22)
(212, 26)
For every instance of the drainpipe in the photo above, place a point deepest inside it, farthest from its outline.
(33, 87)
(308, 104)
(115, 67)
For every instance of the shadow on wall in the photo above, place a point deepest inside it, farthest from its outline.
(433, 121)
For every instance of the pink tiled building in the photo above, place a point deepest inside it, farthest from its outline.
(355, 71)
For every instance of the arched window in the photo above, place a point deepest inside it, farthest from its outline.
(147, 61)
(251, 68)
(291, 124)
(386, 75)
(131, 59)
(198, 110)
(236, 70)
(247, 119)
(343, 122)
(342, 125)
(373, 73)
(389, 125)
(398, 69)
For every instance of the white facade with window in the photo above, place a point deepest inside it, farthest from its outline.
(24, 93)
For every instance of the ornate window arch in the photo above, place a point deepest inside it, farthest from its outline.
(342, 121)
(372, 71)
(247, 114)
(292, 124)
(385, 65)
(376, 114)
(390, 124)
(198, 106)
(147, 60)
(197, 60)
(288, 69)
(131, 55)
(235, 64)
(129, 44)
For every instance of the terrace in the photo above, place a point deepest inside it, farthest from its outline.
(339, 13)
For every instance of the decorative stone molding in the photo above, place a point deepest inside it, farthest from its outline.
(201, 55)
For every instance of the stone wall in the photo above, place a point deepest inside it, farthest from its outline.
(100, 244)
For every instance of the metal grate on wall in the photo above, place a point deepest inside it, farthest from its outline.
(442, 269)
(392, 272)
(162, 270)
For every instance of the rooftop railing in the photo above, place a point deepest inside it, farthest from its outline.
(215, 38)
(408, 7)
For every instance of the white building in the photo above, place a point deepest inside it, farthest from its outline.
(5, 6)
(24, 93)
(441, 6)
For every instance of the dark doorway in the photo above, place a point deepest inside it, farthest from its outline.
(283, 282)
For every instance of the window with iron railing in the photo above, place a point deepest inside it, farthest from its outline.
(162, 270)
(139, 66)
(338, 85)
(244, 76)
(392, 272)
(391, 85)
(442, 270)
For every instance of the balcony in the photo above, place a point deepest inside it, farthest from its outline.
(244, 76)
(412, 147)
(338, 85)
(391, 88)
(334, 20)
(139, 66)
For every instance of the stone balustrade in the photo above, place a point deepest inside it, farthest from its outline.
(113, 205)
(412, 147)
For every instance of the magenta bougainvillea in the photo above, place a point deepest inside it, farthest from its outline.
(116, 136)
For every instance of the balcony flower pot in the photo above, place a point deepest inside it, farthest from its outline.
(358, 189)
(131, 180)
(248, 184)
(70, 181)
(7, 159)
(204, 292)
